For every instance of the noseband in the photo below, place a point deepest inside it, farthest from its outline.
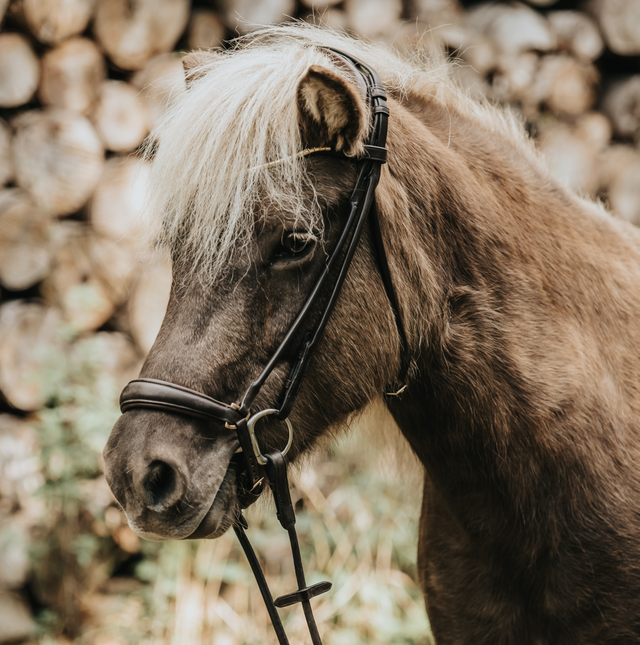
(254, 468)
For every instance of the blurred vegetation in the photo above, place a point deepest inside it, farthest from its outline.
(357, 528)
(72, 558)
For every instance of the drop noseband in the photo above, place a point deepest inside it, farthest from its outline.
(252, 467)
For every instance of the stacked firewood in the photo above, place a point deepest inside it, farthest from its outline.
(83, 81)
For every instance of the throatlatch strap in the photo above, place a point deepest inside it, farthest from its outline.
(385, 273)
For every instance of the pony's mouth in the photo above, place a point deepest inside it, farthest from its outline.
(222, 512)
(212, 523)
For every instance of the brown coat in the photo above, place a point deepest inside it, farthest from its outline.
(521, 303)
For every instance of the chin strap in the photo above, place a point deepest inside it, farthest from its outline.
(276, 472)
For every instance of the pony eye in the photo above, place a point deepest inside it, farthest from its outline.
(294, 245)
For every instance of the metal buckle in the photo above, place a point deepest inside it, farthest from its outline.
(254, 441)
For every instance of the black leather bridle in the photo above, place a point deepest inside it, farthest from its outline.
(253, 468)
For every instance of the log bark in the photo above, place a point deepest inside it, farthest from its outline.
(58, 158)
(25, 240)
(205, 30)
(148, 301)
(52, 21)
(578, 34)
(619, 20)
(160, 80)
(19, 70)
(621, 104)
(72, 74)
(27, 331)
(116, 208)
(88, 280)
(133, 31)
(121, 116)
(6, 155)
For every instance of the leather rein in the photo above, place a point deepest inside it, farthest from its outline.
(253, 468)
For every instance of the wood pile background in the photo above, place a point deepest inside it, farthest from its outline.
(82, 83)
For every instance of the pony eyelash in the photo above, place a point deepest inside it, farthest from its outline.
(305, 236)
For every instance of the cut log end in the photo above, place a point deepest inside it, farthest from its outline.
(52, 21)
(19, 70)
(148, 302)
(72, 74)
(134, 31)
(88, 280)
(25, 244)
(619, 20)
(118, 202)
(6, 154)
(120, 116)
(206, 30)
(28, 331)
(58, 158)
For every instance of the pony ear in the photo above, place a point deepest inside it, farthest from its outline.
(194, 65)
(331, 110)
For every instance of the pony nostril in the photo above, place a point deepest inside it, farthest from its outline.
(161, 485)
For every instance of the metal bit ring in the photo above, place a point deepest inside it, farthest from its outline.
(254, 441)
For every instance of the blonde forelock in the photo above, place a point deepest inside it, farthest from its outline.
(228, 149)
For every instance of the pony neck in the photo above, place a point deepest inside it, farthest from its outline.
(496, 266)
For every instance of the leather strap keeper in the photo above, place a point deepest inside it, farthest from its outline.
(307, 593)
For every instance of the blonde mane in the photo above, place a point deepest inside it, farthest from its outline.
(215, 150)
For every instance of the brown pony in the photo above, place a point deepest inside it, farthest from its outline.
(521, 304)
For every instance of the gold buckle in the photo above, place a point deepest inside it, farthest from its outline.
(235, 406)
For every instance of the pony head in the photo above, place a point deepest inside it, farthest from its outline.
(249, 220)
